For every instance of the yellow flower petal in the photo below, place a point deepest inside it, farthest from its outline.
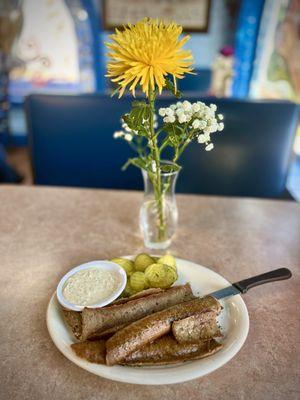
(146, 53)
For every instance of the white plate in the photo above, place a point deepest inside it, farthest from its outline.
(234, 323)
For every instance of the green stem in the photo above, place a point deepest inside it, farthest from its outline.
(179, 150)
(177, 154)
(163, 145)
(157, 173)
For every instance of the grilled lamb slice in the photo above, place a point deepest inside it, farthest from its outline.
(93, 352)
(107, 333)
(147, 329)
(97, 320)
(199, 326)
(73, 319)
(167, 350)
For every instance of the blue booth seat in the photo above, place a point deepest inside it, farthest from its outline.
(198, 83)
(71, 141)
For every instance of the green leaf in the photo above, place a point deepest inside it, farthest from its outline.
(142, 131)
(139, 103)
(176, 134)
(137, 162)
(170, 86)
(126, 118)
(140, 112)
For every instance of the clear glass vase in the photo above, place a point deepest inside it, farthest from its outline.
(158, 213)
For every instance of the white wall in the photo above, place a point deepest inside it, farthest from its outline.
(205, 46)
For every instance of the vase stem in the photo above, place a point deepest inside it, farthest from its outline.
(158, 215)
(156, 157)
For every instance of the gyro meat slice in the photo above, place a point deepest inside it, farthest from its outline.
(167, 350)
(197, 327)
(149, 328)
(92, 351)
(101, 319)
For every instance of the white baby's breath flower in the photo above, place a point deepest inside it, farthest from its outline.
(196, 124)
(202, 124)
(198, 116)
(182, 118)
(189, 112)
(179, 111)
(118, 134)
(209, 147)
(213, 126)
(196, 107)
(186, 105)
(203, 138)
(188, 117)
(169, 111)
(162, 112)
(169, 119)
(208, 113)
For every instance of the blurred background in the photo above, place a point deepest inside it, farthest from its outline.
(57, 117)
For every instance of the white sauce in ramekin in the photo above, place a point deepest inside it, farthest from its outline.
(89, 286)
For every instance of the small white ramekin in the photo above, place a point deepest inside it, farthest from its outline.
(104, 265)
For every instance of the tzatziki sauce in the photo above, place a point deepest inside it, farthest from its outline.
(90, 286)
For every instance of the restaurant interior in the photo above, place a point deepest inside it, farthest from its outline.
(53, 63)
(149, 157)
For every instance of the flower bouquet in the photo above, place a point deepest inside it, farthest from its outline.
(150, 56)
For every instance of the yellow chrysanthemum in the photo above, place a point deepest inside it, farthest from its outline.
(145, 53)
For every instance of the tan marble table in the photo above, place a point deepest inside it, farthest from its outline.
(45, 231)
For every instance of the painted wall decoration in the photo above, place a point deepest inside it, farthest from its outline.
(277, 66)
(55, 50)
(193, 15)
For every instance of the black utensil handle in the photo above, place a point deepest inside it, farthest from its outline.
(272, 276)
